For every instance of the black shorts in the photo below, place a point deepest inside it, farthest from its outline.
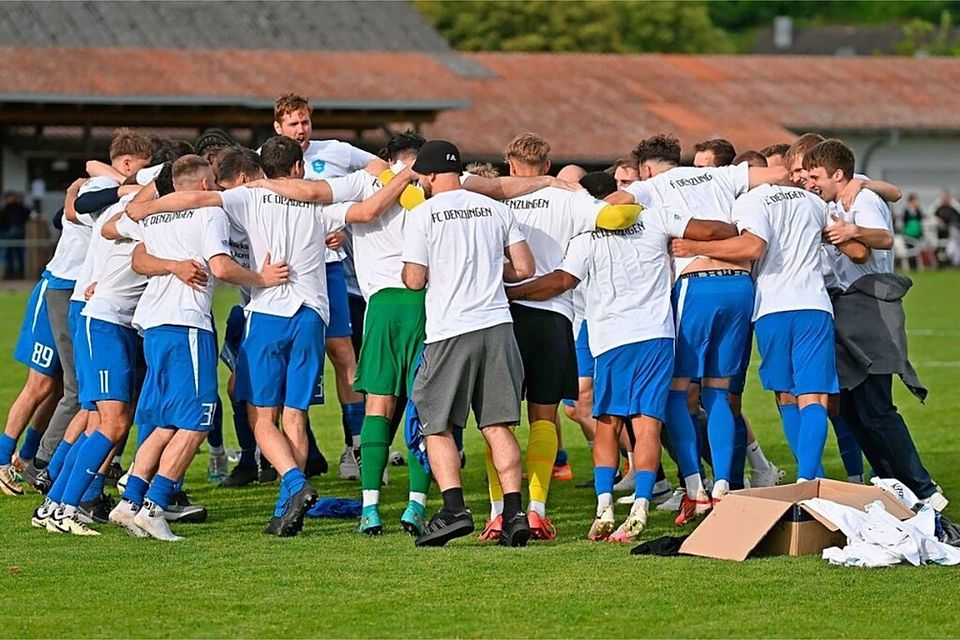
(545, 339)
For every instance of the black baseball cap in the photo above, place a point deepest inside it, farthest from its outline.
(438, 156)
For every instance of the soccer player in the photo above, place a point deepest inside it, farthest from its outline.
(715, 152)
(281, 354)
(458, 241)
(548, 218)
(626, 278)
(625, 171)
(774, 154)
(178, 341)
(781, 228)
(868, 406)
(324, 159)
(129, 152)
(713, 300)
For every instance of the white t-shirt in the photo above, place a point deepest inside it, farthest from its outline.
(119, 287)
(96, 250)
(325, 159)
(791, 222)
(706, 193)
(72, 246)
(194, 234)
(377, 245)
(549, 218)
(871, 212)
(290, 231)
(626, 279)
(460, 237)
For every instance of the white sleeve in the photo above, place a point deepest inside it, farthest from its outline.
(869, 212)
(673, 221)
(583, 210)
(576, 262)
(333, 216)
(216, 234)
(359, 158)
(352, 187)
(514, 234)
(737, 177)
(238, 203)
(415, 238)
(643, 193)
(749, 215)
(98, 183)
(129, 229)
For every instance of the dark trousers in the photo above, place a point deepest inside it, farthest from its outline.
(883, 435)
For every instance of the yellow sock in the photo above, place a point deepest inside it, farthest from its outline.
(493, 480)
(541, 452)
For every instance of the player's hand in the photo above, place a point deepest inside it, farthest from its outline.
(74, 187)
(136, 211)
(274, 273)
(840, 231)
(849, 193)
(684, 248)
(89, 291)
(335, 240)
(191, 273)
(564, 184)
(253, 184)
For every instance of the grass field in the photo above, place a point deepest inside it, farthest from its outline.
(227, 579)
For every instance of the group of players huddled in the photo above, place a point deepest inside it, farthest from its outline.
(631, 296)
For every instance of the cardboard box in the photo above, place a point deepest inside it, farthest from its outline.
(770, 521)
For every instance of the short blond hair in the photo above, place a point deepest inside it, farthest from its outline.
(187, 167)
(130, 143)
(530, 149)
(482, 169)
(800, 147)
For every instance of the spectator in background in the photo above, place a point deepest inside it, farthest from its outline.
(912, 218)
(38, 189)
(947, 213)
(13, 227)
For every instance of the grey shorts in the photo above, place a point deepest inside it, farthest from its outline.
(480, 370)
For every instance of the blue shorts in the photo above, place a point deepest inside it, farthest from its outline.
(739, 381)
(110, 360)
(180, 389)
(585, 362)
(35, 346)
(233, 336)
(340, 326)
(797, 352)
(634, 380)
(713, 325)
(280, 360)
(77, 326)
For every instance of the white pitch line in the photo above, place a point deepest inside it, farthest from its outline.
(939, 363)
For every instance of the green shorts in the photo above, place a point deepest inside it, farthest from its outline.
(393, 334)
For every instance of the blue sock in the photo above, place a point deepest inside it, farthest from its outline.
(721, 430)
(813, 436)
(241, 424)
(561, 458)
(644, 487)
(739, 452)
(790, 415)
(178, 485)
(603, 479)
(7, 446)
(683, 435)
(60, 483)
(31, 443)
(94, 490)
(161, 490)
(291, 482)
(58, 458)
(352, 416)
(135, 490)
(850, 451)
(91, 455)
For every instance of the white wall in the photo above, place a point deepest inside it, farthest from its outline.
(14, 176)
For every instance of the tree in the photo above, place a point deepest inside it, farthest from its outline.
(923, 37)
(670, 26)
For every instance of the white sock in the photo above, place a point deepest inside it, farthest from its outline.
(116, 459)
(858, 479)
(799, 480)
(371, 497)
(721, 488)
(604, 500)
(67, 510)
(539, 507)
(694, 484)
(216, 451)
(758, 461)
(419, 498)
(496, 508)
(355, 442)
(630, 462)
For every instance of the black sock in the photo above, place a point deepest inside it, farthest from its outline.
(453, 500)
(511, 505)
(39, 463)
